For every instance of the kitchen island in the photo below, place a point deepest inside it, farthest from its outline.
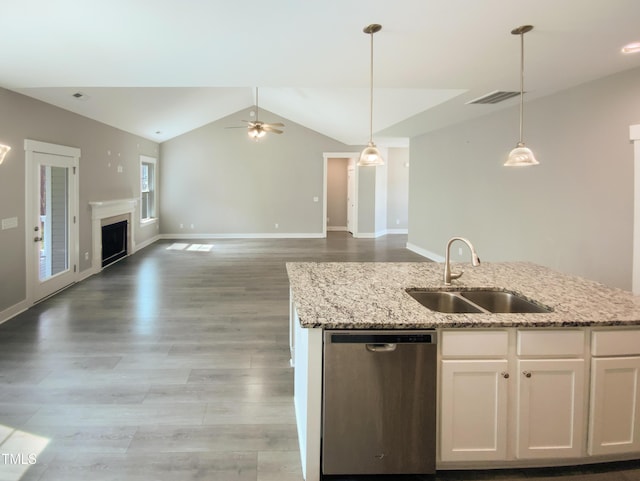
(515, 389)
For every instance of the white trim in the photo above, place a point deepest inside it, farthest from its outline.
(325, 181)
(147, 243)
(102, 210)
(337, 228)
(156, 192)
(634, 136)
(47, 148)
(317, 235)
(339, 155)
(13, 311)
(425, 253)
(32, 147)
(397, 231)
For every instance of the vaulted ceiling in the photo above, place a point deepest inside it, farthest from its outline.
(159, 68)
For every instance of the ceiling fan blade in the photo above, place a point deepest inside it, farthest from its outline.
(237, 127)
(276, 124)
(268, 128)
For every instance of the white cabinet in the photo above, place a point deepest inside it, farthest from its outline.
(474, 410)
(550, 408)
(550, 402)
(474, 394)
(512, 394)
(614, 421)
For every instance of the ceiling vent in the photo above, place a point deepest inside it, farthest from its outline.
(80, 96)
(494, 97)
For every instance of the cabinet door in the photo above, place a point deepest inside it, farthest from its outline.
(550, 408)
(473, 410)
(614, 421)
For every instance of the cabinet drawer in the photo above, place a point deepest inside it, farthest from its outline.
(551, 342)
(619, 342)
(475, 343)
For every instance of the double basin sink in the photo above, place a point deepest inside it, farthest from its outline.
(469, 301)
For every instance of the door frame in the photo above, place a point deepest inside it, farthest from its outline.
(31, 148)
(351, 156)
(634, 136)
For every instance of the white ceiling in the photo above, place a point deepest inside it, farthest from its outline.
(159, 68)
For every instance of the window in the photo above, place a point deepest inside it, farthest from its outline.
(147, 188)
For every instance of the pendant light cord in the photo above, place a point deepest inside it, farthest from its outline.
(371, 94)
(521, 82)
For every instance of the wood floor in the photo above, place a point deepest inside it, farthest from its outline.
(174, 365)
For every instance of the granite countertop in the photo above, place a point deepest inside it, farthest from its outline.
(371, 295)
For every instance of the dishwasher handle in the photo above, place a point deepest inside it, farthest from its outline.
(387, 347)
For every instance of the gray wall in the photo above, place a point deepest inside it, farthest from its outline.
(25, 118)
(573, 212)
(337, 192)
(398, 188)
(224, 183)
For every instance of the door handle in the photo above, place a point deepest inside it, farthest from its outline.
(381, 347)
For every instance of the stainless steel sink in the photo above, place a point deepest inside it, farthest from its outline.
(442, 301)
(493, 301)
(501, 302)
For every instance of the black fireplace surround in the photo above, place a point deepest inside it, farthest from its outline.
(114, 242)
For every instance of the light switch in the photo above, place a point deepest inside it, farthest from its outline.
(315, 199)
(9, 223)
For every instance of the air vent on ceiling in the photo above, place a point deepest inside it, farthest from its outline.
(80, 96)
(494, 97)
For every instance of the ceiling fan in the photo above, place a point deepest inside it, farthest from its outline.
(258, 129)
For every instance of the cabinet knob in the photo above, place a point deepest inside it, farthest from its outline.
(505, 375)
(526, 373)
(37, 239)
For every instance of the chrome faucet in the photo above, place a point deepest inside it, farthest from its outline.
(475, 260)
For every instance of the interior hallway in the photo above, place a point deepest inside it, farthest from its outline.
(174, 365)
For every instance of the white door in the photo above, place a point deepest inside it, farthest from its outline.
(474, 410)
(550, 408)
(615, 406)
(52, 229)
(351, 198)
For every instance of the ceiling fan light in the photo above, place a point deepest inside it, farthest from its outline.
(633, 47)
(370, 156)
(4, 150)
(256, 133)
(521, 156)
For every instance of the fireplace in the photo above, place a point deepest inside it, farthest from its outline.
(104, 214)
(114, 242)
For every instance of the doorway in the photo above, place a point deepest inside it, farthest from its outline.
(51, 218)
(345, 201)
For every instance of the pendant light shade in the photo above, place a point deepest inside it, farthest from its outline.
(521, 155)
(371, 156)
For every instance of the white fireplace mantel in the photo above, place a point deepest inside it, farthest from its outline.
(102, 210)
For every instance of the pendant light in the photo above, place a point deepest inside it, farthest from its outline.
(521, 155)
(371, 156)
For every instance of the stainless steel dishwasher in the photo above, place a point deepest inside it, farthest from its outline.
(379, 402)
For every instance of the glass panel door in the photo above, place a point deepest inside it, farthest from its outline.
(53, 221)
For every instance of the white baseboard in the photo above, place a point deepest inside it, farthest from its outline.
(146, 243)
(380, 233)
(310, 235)
(13, 311)
(336, 228)
(425, 253)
